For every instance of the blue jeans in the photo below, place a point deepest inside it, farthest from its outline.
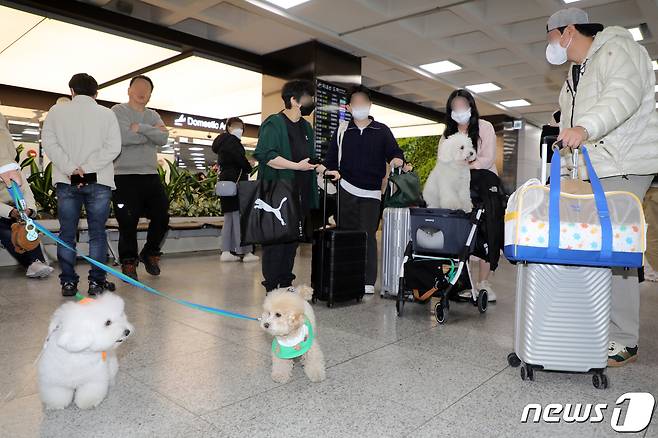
(96, 200)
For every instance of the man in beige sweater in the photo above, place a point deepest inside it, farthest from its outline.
(82, 139)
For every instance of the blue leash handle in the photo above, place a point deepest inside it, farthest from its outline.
(17, 197)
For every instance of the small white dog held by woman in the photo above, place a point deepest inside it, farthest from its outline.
(289, 317)
(449, 184)
(78, 362)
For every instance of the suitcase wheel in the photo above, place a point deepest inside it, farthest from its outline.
(527, 372)
(600, 381)
(483, 300)
(513, 360)
(440, 312)
(330, 304)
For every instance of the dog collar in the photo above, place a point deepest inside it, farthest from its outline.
(283, 351)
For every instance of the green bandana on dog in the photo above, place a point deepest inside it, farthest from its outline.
(298, 346)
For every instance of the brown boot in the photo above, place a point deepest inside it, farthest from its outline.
(129, 268)
(151, 263)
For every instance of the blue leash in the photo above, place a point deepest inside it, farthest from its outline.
(17, 197)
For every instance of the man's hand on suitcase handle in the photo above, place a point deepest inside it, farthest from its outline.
(332, 175)
(573, 137)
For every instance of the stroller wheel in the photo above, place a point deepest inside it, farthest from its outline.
(399, 302)
(440, 312)
(513, 360)
(483, 301)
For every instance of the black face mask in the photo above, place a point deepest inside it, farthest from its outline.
(307, 109)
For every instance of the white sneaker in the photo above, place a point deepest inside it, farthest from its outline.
(38, 269)
(466, 294)
(228, 257)
(370, 289)
(250, 258)
(490, 292)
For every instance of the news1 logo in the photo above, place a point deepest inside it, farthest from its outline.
(639, 411)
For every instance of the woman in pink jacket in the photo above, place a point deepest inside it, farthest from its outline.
(462, 116)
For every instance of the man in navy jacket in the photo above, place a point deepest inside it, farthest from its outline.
(367, 148)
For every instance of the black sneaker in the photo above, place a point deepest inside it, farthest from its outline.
(97, 288)
(151, 263)
(69, 289)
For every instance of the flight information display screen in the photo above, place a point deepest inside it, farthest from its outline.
(330, 102)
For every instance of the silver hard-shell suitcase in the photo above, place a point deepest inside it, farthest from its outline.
(395, 237)
(562, 317)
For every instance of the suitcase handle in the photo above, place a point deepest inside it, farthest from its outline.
(328, 178)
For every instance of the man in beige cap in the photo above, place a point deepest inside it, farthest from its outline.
(608, 103)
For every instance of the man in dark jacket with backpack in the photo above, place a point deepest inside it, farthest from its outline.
(366, 149)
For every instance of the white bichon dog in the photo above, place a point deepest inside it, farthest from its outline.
(78, 361)
(448, 185)
(289, 317)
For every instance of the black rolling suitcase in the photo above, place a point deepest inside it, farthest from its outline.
(338, 266)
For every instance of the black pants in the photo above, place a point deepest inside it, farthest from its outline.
(362, 214)
(140, 196)
(26, 258)
(277, 264)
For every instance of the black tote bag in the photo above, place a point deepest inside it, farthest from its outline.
(269, 212)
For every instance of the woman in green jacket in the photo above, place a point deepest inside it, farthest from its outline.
(286, 147)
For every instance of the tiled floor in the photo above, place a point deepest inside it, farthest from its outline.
(189, 374)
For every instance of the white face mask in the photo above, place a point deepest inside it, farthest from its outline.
(361, 113)
(237, 132)
(461, 117)
(556, 54)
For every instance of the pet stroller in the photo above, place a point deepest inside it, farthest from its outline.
(436, 259)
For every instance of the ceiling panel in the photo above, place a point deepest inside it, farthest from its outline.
(437, 25)
(501, 41)
(496, 57)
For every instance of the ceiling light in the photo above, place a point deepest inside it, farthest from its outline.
(198, 154)
(286, 4)
(483, 88)
(637, 33)
(167, 152)
(128, 54)
(440, 67)
(194, 149)
(201, 141)
(570, 1)
(515, 103)
(241, 89)
(21, 123)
